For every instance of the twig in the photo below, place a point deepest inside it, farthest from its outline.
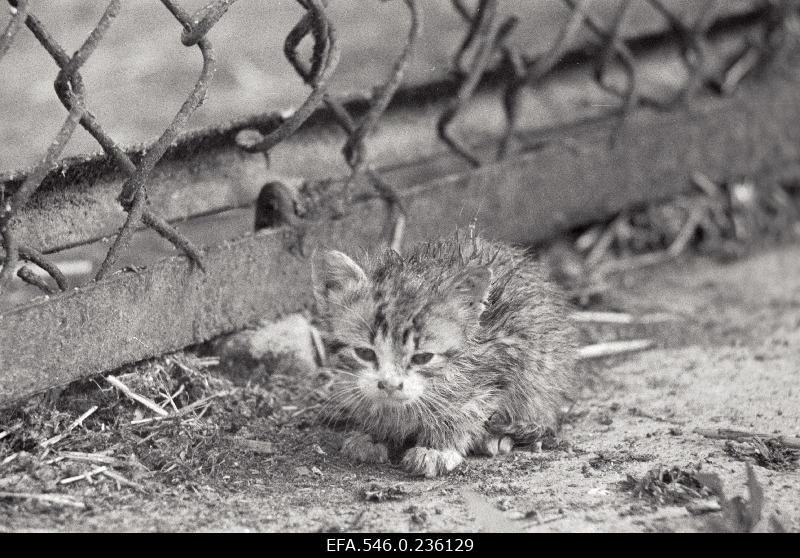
(602, 245)
(146, 438)
(396, 242)
(303, 410)
(77, 422)
(9, 459)
(110, 473)
(149, 403)
(620, 318)
(536, 516)
(49, 498)
(207, 361)
(702, 507)
(674, 250)
(319, 347)
(726, 434)
(588, 238)
(91, 458)
(603, 317)
(612, 348)
(170, 399)
(181, 412)
(704, 183)
(10, 430)
(687, 232)
(202, 412)
(635, 262)
(85, 476)
(184, 367)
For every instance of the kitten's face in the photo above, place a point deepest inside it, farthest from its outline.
(393, 332)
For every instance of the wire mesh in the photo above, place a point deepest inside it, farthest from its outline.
(484, 48)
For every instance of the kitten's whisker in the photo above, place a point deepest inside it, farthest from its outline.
(347, 373)
(339, 401)
(343, 399)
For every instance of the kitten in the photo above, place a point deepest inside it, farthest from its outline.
(442, 351)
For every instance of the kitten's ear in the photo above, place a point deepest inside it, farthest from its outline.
(333, 273)
(473, 283)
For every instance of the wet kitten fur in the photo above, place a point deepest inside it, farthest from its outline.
(503, 350)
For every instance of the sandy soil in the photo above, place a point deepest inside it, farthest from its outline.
(730, 360)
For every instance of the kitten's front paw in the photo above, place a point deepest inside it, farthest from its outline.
(360, 448)
(431, 462)
(493, 445)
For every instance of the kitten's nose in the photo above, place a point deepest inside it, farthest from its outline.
(390, 385)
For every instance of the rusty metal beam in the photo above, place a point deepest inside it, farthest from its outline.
(572, 178)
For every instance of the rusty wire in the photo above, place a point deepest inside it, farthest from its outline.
(692, 44)
(354, 149)
(532, 74)
(487, 46)
(18, 15)
(203, 20)
(133, 190)
(483, 32)
(76, 95)
(758, 51)
(70, 90)
(325, 59)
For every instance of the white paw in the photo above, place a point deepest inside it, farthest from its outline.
(494, 445)
(429, 462)
(360, 448)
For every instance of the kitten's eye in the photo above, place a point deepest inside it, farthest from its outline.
(422, 358)
(365, 354)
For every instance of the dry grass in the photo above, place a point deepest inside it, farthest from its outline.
(725, 221)
(174, 423)
(770, 454)
(667, 486)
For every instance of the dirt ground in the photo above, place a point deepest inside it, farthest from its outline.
(729, 359)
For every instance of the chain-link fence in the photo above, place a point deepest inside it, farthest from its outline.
(485, 52)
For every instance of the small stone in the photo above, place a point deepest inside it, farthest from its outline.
(253, 354)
